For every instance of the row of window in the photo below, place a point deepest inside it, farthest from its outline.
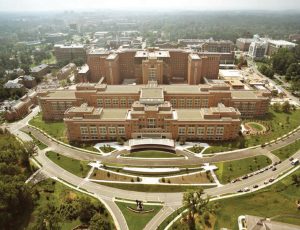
(115, 102)
(201, 131)
(103, 130)
(189, 102)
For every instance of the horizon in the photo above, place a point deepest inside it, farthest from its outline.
(147, 5)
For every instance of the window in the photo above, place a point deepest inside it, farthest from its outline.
(115, 102)
(210, 130)
(102, 130)
(189, 103)
(205, 103)
(130, 101)
(191, 131)
(181, 102)
(200, 131)
(84, 130)
(123, 102)
(100, 102)
(121, 130)
(112, 130)
(151, 122)
(181, 130)
(93, 130)
(197, 102)
(219, 130)
(107, 102)
(173, 102)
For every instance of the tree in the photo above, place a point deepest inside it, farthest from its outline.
(99, 223)
(277, 107)
(195, 203)
(286, 107)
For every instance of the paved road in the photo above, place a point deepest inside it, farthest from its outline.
(192, 160)
(172, 201)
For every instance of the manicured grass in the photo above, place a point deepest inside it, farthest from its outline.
(279, 199)
(195, 178)
(171, 217)
(137, 221)
(57, 194)
(277, 123)
(286, 151)
(54, 129)
(107, 148)
(196, 149)
(233, 169)
(151, 188)
(79, 168)
(152, 154)
(99, 174)
(257, 127)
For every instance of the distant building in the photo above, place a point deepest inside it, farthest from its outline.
(83, 73)
(294, 37)
(29, 81)
(64, 72)
(275, 45)
(69, 52)
(13, 84)
(22, 107)
(55, 37)
(40, 71)
(258, 49)
(243, 44)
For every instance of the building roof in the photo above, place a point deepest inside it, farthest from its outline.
(114, 114)
(38, 68)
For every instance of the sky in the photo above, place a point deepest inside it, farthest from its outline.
(160, 5)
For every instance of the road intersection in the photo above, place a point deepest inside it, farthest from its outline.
(171, 201)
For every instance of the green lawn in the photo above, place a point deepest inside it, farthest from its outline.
(279, 199)
(79, 168)
(152, 154)
(257, 127)
(151, 188)
(233, 169)
(171, 217)
(137, 221)
(54, 129)
(277, 123)
(57, 194)
(286, 151)
(196, 149)
(38, 143)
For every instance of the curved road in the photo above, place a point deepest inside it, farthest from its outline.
(172, 201)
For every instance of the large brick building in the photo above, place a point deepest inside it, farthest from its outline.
(163, 66)
(170, 109)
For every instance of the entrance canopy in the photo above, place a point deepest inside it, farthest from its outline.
(168, 144)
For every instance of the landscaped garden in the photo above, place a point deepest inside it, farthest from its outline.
(77, 167)
(287, 151)
(229, 170)
(152, 154)
(137, 221)
(278, 124)
(196, 149)
(99, 174)
(194, 178)
(152, 188)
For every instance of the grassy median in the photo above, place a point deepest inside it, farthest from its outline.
(77, 167)
(229, 170)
